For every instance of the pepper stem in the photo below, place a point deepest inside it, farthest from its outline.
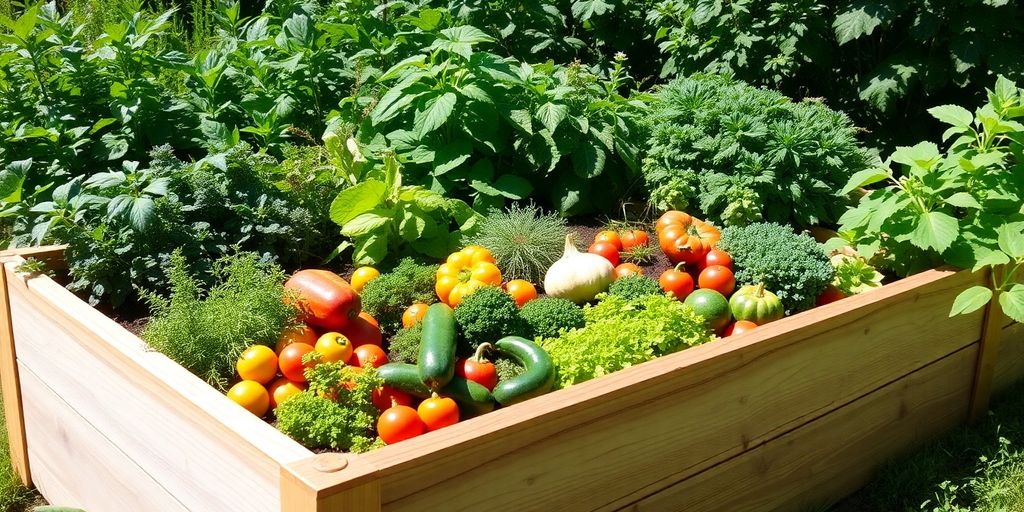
(478, 356)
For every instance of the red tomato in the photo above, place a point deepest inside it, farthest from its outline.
(717, 278)
(437, 412)
(830, 295)
(363, 330)
(300, 334)
(480, 371)
(738, 327)
(386, 396)
(718, 257)
(398, 423)
(627, 269)
(606, 250)
(609, 237)
(290, 361)
(634, 238)
(326, 299)
(677, 282)
(371, 355)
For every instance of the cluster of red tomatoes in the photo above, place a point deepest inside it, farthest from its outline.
(610, 244)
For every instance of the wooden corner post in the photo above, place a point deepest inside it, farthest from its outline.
(329, 482)
(10, 386)
(988, 355)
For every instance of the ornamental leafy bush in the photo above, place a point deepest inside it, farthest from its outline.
(792, 266)
(961, 205)
(404, 346)
(620, 333)
(205, 330)
(739, 154)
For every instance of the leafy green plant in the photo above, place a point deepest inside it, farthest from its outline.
(547, 316)
(404, 346)
(792, 266)
(854, 275)
(634, 286)
(620, 333)
(523, 240)
(741, 154)
(206, 330)
(485, 316)
(383, 217)
(336, 412)
(387, 296)
(962, 206)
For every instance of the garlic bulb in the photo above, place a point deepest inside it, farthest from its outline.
(578, 276)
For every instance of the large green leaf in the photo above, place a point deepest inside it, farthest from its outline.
(1011, 239)
(370, 250)
(863, 179)
(860, 19)
(551, 115)
(367, 223)
(952, 114)
(935, 230)
(1012, 302)
(971, 300)
(435, 112)
(12, 178)
(356, 200)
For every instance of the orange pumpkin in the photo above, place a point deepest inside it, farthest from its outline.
(684, 238)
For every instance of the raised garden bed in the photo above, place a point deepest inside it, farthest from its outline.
(797, 413)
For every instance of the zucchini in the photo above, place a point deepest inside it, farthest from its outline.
(473, 399)
(538, 378)
(437, 346)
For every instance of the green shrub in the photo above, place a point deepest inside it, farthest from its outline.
(620, 333)
(345, 422)
(387, 297)
(739, 154)
(404, 346)
(485, 316)
(793, 266)
(524, 241)
(546, 316)
(205, 332)
(634, 286)
(508, 368)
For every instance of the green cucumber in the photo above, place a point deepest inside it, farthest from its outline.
(473, 399)
(538, 378)
(437, 346)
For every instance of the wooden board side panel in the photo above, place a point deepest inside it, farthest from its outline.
(1010, 361)
(175, 446)
(11, 389)
(584, 447)
(819, 463)
(77, 466)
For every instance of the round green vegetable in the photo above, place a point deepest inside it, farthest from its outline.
(484, 316)
(546, 316)
(711, 305)
(755, 304)
(538, 378)
(436, 359)
(473, 399)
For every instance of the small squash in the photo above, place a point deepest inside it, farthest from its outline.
(755, 304)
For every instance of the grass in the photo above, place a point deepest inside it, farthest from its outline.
(13, 496)
(973, 469)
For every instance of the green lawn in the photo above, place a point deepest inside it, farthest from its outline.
(976, 469)
(13, 496)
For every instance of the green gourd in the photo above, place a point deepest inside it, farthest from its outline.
(755, 304)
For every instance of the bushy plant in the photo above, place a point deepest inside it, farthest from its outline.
(404, 346)
(336, 412)
(961, 206)
(387, 296)
(620, 333)
(485, 316)
(739, 154)
(634, 286)
(792, 266)
(507, 368)
(206, 330)
(547, 316)
(523, 240)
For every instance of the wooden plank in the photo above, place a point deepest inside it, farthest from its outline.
(988, 356)
(302, 494)
(51, 255)
(584, 446)
(151, 408)
(1010, 363)
(11, 389)
(76, 465)
(819, 463)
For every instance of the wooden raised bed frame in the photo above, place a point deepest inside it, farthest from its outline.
(794, 414)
